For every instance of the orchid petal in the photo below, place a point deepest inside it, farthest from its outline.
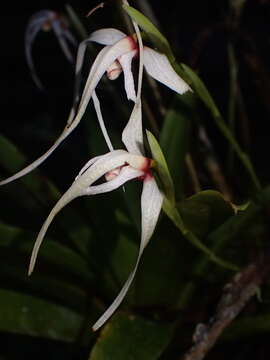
(107, 36)
(126, 61)
(100, 65)
(78, 70)
(88, 164)
(36, 23)
(81, 185)
(151, 202)
(158, 66)
(60, 34)
(69, 36)
(34, 26)
(117, 301)
(127, 173)
(132, 136)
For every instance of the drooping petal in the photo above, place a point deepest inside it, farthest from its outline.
(101, 64)
(132, 135)
(126, 62)
(158, 66)
(108, 36)
(62, 35)
(151, 202)
(69, 36)
(88, 164)
(78, 76)
(117, 301)
(33, 27)
(81, 186)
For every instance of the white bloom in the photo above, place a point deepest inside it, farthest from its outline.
(156, 64)
(129, 166)
(46, 20)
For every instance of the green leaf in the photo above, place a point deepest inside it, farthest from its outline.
(128, 337)
(162, 272)
(76, 21)
(22, 314)
(172, 212)
(201, 90)
(42, 192)
(120, 263)
(205, 211)
(174, 140)
(55, 254)
(161, 166)
(154, 34)
(13, 160)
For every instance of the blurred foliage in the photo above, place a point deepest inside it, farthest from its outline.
(209, 161)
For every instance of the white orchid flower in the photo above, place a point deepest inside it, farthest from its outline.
(129, 166)
(156, 64)
(46, 20)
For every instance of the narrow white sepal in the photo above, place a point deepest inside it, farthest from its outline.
(132, 135)
(62, 39)
(108, 313)
(158, 66)
(151, 203)
(126, 63)
(71, 194)
(108, 36)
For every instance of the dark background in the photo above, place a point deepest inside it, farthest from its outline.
(198, 32)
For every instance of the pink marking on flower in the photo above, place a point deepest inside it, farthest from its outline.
(110, 175)
(146, 177)
(114, 70)
(147, 165)
(132, 42)
(147, 170)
